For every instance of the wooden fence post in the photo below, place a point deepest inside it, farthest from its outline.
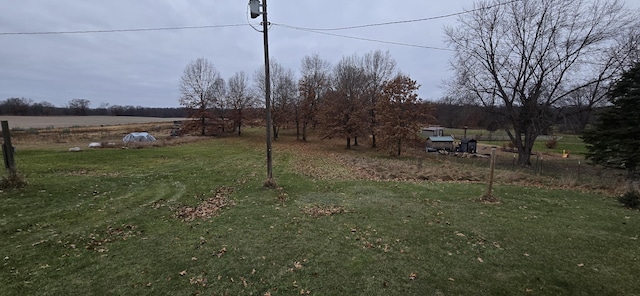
(491, 173)
(7, 149)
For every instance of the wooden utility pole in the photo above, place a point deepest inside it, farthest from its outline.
(254, 6)
(267, 82)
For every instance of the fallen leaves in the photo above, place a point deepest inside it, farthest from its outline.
(98, 242)
(199, 280)
(220, 252)
(320, 211)
(209, 207)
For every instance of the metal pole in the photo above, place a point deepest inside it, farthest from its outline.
(267, 83)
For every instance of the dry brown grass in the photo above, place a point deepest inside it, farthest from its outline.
(109, 135)
(326, 160)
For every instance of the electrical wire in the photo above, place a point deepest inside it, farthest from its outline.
(121, 30)
(249, 21)
(362, 38)
(311, 30)
(239, 25)
(407, 21)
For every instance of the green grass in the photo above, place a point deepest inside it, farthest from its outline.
(103, 222)
(572, 143)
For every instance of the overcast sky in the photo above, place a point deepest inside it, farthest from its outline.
(142, 68)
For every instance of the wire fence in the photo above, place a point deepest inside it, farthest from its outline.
(571, 170)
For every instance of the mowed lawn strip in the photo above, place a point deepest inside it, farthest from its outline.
(105, 222)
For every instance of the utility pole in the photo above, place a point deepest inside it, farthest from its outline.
(254, 6)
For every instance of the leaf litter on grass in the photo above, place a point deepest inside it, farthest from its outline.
(317, 211)
(208, 208)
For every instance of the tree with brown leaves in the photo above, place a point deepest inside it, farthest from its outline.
(313, 86)
(343, 112)
(400, 114)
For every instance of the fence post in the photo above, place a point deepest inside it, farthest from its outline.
(7, 149)
(579, 169)
(491, 173)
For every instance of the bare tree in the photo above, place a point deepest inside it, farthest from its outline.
(16, 106)
(198, 86)
(239, 98)
(313, 86)
(379, 68)
(283, 94)
(79, 106)
(527, 56)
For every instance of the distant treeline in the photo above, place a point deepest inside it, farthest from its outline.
(572, 120)
(80, 107)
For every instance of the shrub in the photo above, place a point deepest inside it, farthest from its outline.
(551, 143)
(630, 199)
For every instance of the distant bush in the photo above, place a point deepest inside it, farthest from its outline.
(630, 199)
(551, 143)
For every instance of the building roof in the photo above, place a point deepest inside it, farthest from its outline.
(432, 128)
(441, 139)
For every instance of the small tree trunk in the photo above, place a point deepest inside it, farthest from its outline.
(355, 141)
(348, 143)
(399, 147)
(304, 131)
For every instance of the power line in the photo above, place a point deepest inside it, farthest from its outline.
(315, 30)
(361, 38)
(121, 30)
(407, 21)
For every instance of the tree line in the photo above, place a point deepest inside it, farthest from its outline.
(358, 97)
(81, 107)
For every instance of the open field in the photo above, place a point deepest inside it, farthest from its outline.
(27, 122)
(194, 219)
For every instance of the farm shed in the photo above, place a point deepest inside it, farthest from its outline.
(138, 137)
(437, 131)
(440, 143)
(468, 146)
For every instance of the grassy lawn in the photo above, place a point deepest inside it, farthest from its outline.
(572, 143)
(104, 222)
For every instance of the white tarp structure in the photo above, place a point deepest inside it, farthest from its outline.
(138, 137)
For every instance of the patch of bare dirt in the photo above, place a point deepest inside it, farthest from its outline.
(208, 208)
